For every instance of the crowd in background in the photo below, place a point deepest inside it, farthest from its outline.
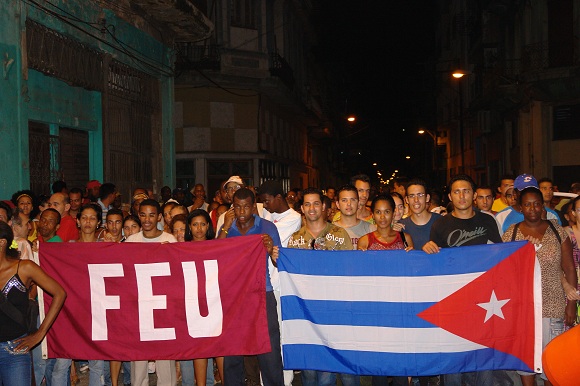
(353, 216)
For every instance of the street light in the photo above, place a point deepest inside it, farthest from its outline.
(433, 135)
(458, 75)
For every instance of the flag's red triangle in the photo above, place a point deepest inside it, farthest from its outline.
(460, 314)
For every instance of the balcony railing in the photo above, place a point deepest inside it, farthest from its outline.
(195, 56)
(553, 54)
(280, 68)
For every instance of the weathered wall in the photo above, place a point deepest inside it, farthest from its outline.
(30, 95)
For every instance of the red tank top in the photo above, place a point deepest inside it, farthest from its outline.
(377, 245)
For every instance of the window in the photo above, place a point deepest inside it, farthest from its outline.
(245, 14)
(566, 122)
(272, 170)
(185, 173)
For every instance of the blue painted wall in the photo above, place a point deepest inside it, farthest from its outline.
(30, 95)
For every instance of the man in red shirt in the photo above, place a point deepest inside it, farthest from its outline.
(68, 226)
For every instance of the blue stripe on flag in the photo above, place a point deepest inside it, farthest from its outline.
(381, 314)
(311, 357)
(395, 263)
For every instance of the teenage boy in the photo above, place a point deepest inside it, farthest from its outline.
(114, 225)
(347, 202)
(150, 215)
(243, 222)
(420, 220)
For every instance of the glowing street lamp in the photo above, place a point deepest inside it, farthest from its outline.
(458, 74)
(431, 134)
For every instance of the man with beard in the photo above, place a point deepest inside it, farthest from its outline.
(319, 234)
(462, 227)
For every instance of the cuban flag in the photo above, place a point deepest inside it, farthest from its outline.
(409, 313)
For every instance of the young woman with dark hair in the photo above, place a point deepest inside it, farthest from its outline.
(17, 276)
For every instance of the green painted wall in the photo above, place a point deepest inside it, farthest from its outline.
(14, 139)
(49, 100)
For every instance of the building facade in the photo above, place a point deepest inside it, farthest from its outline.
(517, 109)
(247, 100)
(88, 91)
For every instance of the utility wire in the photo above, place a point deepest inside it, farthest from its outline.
(136, 60)
(124, 47)
(99, 27)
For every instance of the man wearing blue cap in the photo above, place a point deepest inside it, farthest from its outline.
(513, 214)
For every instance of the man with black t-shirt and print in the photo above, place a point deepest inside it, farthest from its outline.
(462, 227)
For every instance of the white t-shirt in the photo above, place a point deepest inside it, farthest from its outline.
(358, 231)
(164, 237)
(287, 223)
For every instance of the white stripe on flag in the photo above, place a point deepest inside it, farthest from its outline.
(375, 339)
(408, 289)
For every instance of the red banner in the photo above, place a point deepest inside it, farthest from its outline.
(139, 301)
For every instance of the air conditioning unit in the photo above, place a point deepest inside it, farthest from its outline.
(484, 121)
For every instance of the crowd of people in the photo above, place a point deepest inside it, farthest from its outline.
(352, 217)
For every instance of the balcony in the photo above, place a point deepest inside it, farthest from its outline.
(280, 68)
(182, 16)
(192, 56)
(550, 54)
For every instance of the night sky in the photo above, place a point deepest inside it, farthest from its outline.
(379, 54)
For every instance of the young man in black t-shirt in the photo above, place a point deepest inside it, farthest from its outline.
(464, 226)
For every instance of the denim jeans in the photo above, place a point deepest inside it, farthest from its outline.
(188, 375)
(96, 373)
(270, 362)
(15, 368)
(38, 364)
(318, 378)
(57, 372)
(349, 379)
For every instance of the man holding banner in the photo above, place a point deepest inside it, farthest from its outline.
(463, 226)
(464, 311)
(318, 234)
(150, 215)
(242, 222)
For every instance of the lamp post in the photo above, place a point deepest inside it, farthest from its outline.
(458, 75)
(433, 136)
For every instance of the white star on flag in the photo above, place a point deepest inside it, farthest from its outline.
(493, 307)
